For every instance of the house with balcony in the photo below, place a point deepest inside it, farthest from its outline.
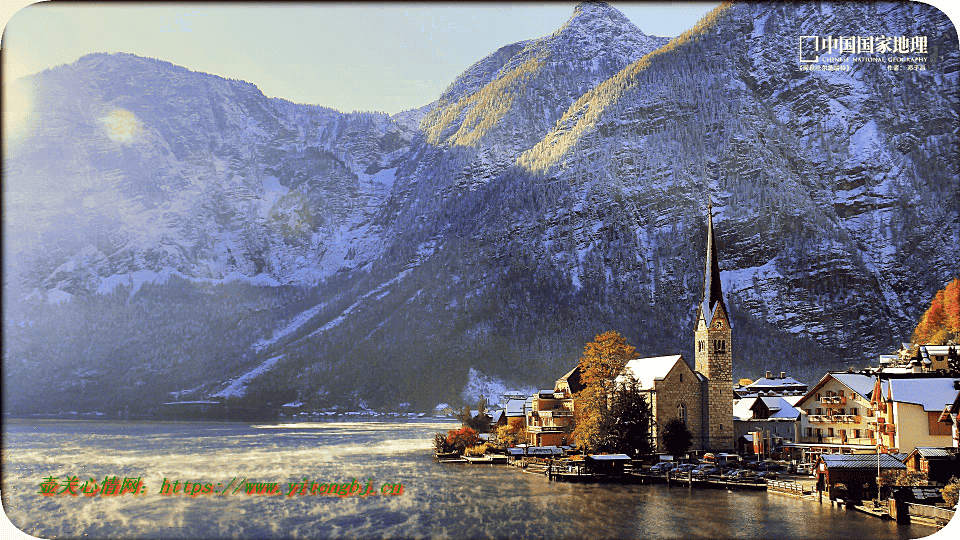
(835, 417)
(907, 412)
(550, 418)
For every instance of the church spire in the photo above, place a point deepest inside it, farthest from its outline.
(712, 293)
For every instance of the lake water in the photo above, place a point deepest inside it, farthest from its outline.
(437, 501)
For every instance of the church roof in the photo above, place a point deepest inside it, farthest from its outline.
(712, 293)
(648, 370)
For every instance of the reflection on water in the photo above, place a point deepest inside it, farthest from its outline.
(452, 501)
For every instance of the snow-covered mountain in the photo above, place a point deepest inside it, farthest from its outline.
(210, 241)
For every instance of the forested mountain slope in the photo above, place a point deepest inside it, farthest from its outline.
(203, 239)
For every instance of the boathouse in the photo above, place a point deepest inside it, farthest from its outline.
(852, 476)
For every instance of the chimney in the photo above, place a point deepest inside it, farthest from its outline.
(783, 374)
(768, 374)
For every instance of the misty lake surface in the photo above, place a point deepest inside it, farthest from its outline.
(438, 500)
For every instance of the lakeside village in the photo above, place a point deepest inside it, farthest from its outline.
(883, 441)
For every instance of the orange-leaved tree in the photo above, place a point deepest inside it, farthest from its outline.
(941, 322)
(461, 439)
(602, 361)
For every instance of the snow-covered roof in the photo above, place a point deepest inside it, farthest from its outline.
(779, 408)
(741, 408)
(931, 452)
(441, 406)
(932, 394)
(515, 407)
(792, 400)
(763, 383)
(939, 350)
(647, 370)
(861, 461)
(861, 384)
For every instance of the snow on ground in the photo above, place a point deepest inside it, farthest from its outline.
(137, 279)
(238, 387)
(489, 387)
(56, 296)
(306, 316)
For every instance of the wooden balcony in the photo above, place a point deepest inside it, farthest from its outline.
(834, 400)
(557, 413)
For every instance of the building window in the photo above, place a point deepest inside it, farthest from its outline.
(681, 377)
(854, 411)
(842, 412)
(682, 413)
(856, 434)
(809, 432)
(829, 432)
(819, 411)
(818, 396)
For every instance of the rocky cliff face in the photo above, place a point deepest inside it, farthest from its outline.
(557, 189)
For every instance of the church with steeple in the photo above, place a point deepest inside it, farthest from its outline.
(700, 396)
(714, 360)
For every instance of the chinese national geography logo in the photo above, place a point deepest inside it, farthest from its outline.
(839, 53)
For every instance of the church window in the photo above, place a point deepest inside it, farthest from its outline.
(682, 413)
(681, 377)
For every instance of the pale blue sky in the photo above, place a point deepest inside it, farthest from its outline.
(359, 56)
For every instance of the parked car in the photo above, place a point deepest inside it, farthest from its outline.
(743, 474)
(661, 468)
(686, 467)
(706, 469)
(769, 475)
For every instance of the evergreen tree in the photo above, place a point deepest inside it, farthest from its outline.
(628, 426)
(676, 437)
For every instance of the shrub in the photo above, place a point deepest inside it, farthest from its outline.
(478, 450)
(951, 492)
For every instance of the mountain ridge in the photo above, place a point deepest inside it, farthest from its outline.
(341, 257)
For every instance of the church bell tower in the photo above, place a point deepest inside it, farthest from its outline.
(713, 347)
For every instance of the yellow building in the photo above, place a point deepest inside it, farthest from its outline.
(907, 412)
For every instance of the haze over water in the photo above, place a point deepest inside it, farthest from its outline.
(438, 500)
